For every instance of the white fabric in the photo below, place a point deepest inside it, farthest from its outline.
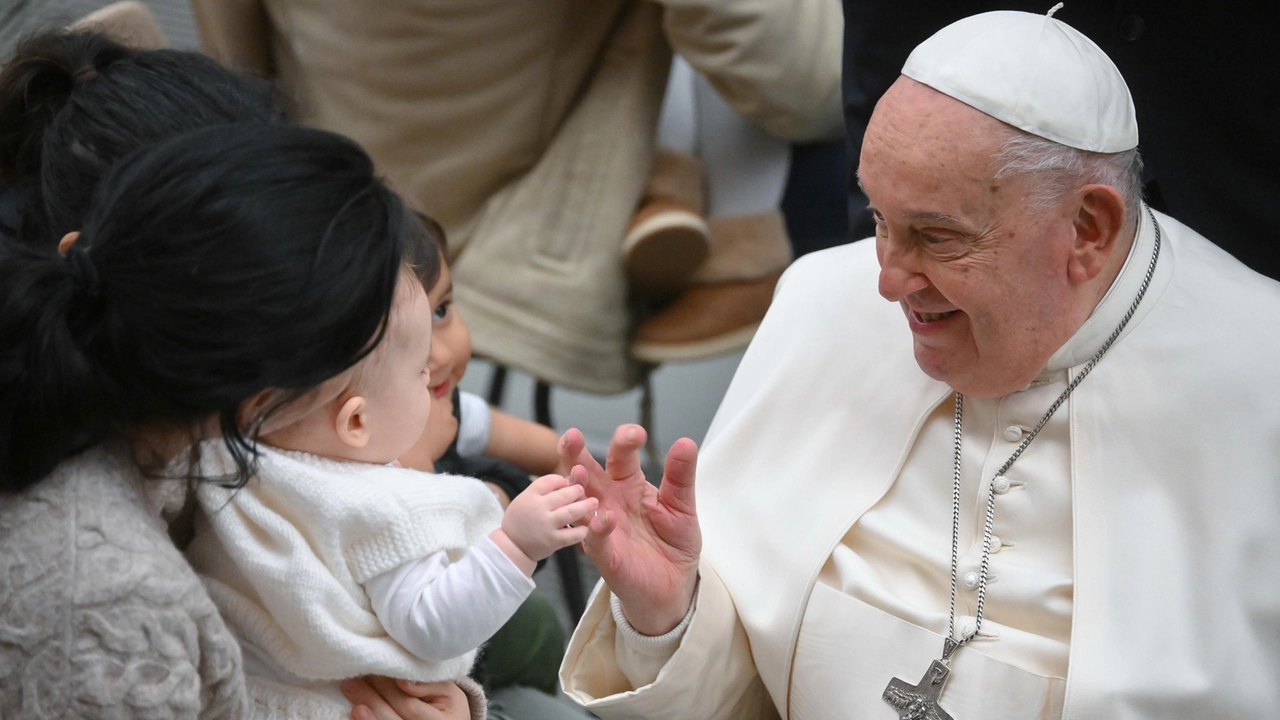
(1173, 449)
(641, 657)
(1034, 72)
(285, 557)
(439, 609)
(474, 424)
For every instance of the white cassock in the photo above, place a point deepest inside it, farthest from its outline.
(1138, 567)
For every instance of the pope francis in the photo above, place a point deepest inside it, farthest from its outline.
(1041, 481)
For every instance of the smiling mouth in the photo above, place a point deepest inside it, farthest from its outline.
(933, 317)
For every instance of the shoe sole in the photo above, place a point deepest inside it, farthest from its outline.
(662, 252)
(700, 350)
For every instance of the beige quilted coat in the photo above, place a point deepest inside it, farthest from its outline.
(527, 129)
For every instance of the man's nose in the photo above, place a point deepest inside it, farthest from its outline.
(899, 274)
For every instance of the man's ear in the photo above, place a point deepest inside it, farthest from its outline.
(67, 241)
(1099, 224)
(351, 424)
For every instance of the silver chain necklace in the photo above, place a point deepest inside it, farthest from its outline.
(920, 701)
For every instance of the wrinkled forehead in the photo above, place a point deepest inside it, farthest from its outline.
(916, 124)
(926, 154)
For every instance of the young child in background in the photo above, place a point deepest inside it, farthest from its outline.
(330, 563)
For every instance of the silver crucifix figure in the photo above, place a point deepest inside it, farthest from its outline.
(920, 701)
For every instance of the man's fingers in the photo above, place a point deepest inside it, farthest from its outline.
(596, 543)
(676, 490)
(573, 451)
(623, 460)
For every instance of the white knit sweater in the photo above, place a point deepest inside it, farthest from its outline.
(285, 557)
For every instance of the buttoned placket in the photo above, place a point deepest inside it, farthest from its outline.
(993, 430)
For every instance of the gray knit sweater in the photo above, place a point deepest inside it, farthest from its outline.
(101, 617)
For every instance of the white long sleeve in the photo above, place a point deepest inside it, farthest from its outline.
(438, 609)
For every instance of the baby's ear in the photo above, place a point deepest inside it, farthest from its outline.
(351, 424)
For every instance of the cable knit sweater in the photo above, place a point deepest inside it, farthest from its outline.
(101, 617)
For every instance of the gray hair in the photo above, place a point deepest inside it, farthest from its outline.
(1058, 169)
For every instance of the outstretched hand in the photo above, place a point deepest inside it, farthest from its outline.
(645, 541)
(543, 518)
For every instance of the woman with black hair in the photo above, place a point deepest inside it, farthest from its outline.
(99, 613)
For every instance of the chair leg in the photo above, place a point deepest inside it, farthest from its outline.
(646, 417)
(542, 404)
(497, 385)
(571, 581)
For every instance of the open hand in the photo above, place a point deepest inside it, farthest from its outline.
(645, 541)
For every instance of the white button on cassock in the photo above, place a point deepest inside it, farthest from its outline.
(1000, 484)
(1013, 433)
(970, 580)
(995, 544)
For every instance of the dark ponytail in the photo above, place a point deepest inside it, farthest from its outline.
(72, 103)
(212, 266)
(51, 393)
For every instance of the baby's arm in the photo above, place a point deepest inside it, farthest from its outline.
(439, 610)
(534, 448)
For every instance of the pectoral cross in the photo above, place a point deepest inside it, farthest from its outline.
(919, 701)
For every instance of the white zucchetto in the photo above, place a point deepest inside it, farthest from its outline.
(1033, 72)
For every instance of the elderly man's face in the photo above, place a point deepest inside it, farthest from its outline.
(982, 278)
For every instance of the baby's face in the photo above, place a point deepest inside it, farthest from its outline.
(397, 385)
(451, 343)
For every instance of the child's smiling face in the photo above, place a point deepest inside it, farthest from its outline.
(451, 343)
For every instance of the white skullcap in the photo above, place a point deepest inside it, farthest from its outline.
(1033, 72)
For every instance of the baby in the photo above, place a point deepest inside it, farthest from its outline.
(330, 563)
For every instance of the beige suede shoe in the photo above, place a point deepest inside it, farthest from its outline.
(668, 237)
(730, 294)
(705, 321)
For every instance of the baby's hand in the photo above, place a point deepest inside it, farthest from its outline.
(538, 519)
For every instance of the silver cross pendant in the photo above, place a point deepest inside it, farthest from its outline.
(919, 701)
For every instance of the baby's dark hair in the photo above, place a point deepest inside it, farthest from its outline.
(74, 102)
(212, 266)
